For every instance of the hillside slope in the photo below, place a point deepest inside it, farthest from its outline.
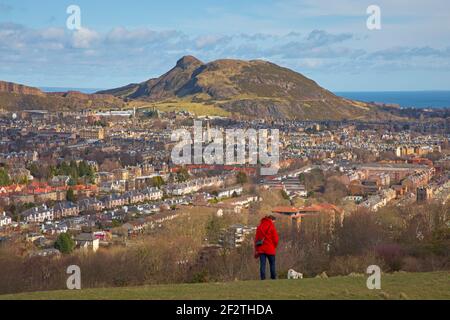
(16, 97)
(250, 88)
(394, 286)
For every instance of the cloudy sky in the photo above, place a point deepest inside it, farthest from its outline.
(130, 41)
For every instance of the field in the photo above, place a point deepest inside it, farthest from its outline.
(394, 286)
(197, 108)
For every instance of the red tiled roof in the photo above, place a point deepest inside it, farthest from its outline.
(42, 187)
(285, 210)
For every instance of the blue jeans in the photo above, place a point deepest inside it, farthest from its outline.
(262, 267)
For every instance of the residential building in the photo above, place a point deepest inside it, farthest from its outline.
(230, 192)
(38, 214)
(235, 235)
(87, 241)
(66, 209)
(4, 219)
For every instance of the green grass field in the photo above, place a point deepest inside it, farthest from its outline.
(197, 108)
(394, 286)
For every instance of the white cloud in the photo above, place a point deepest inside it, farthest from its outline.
(311, 63)
(84, 38)
(132, 55)
(211, 41)
(52, 34)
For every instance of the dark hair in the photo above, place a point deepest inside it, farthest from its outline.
(272, 217)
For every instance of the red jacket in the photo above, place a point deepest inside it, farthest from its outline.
(267, 232)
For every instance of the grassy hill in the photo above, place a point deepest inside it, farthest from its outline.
(246, 89)
(394, 286)
(15, 97)
(249, 88)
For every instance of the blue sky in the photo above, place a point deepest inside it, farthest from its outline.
(130, 41)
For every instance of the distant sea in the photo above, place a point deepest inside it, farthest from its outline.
(55, 89)
(406, 99)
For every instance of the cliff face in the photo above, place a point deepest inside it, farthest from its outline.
(9, 87)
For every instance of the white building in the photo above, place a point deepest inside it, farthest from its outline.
(228, 193)
(153, 194)
(38, 214)
(87, 241)
(181, 189)
(5, 220)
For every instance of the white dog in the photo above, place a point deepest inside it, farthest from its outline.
(292, 274)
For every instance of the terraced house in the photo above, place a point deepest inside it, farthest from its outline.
(153, 194)
(4, 219)
(38, 214)
(180, 189)
(65, 209)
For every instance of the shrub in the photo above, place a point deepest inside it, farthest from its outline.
(392, 255)
(345, 265)
(65, 243)
(200, 277)
(241, 178)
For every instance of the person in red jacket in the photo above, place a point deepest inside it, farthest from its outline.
(266, 243)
